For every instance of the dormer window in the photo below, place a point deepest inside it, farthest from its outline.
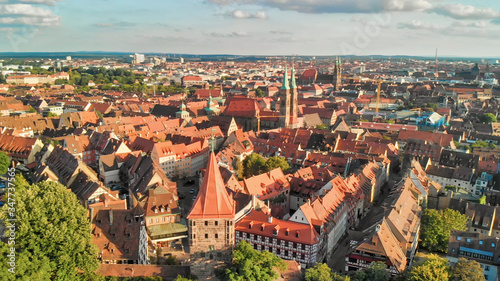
(250, 225)
(263, 227)
(287, 232)
(297, 234)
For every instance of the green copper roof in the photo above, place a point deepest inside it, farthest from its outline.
(293, 85)
(285, 86)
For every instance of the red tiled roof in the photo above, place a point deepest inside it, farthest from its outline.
(213, 200)
(297, 232)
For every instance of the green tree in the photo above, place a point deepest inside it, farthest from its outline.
(253, 164)
(239, 169)
(377, 271)
(2, 79)
(432, 106)
(465, 269)
(51, 114)
(483, 144)
(322, 127)
(338, 277)
(433, 268)
(61, 82)
(487, 118)
(251, 265)
(437, 226)
(321, 272)
(259, 93)
(31, 109)
(53, 240)
(182, 278)
(276, 162)
(482, 200)
(99, 114)
(4, 162)
(171, 260)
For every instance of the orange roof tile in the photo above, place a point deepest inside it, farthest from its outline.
(213, 200)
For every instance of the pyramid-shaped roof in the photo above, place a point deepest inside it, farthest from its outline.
(212, 201)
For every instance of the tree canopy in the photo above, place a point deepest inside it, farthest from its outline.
(276, 162)
(52, 235)
(377, 271)
(487, 118)
(251, 265)
(434, 268)
(483, 144)
(465, 269)
(254, 164)
(437, 226)
(4, 162)
(321, 272)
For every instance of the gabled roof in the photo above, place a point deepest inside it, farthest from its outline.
(213, 200)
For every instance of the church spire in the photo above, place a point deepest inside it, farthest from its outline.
(212, 201)
(293, 85)
(285, 86)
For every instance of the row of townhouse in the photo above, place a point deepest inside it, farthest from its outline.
(180, 159)
(393, 239)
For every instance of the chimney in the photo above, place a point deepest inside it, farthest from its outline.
(270, 219)
(309, 201)
(111, 217)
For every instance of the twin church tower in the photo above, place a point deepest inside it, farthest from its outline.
(289, 102)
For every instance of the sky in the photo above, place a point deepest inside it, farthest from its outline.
(254, 27)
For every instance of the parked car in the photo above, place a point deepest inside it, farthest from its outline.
(191, 191)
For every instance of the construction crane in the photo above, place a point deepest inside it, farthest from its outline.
(379, 81)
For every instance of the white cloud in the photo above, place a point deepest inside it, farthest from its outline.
(27, 14)
(42, 2)
(416, 24)
(477, 24)
(24, 10)
(408, 5)
(231, 34)
(453, 10)
(460, 11)
(240, 14)
(337, 6)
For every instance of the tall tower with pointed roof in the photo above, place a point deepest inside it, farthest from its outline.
(211, 223)
(337, 74)
(294, 102)
(182, 113)
(285, 100)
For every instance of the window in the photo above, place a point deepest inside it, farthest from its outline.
(216, 223)
(480, 242)
(459, 238)
(468, 239)
(206, 235)
(216, 235)
(493, 245)
(206, 223)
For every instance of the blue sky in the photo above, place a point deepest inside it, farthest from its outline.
(254, 27)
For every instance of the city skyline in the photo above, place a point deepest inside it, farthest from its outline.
(253, 27)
